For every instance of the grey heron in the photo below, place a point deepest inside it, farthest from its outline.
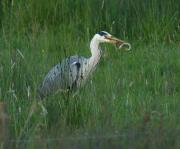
(73, 71)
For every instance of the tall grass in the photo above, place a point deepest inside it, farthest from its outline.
(139, 19)
(128, 91)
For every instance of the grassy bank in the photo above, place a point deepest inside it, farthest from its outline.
(137, 90)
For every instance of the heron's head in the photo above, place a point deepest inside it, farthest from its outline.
(104, 36)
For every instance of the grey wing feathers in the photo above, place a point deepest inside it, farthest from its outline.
(63, 76)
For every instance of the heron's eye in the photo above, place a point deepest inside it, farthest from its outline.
(102, 33)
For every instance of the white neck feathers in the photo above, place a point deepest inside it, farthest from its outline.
(95, 51)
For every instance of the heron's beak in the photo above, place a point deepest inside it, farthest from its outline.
(119, 43)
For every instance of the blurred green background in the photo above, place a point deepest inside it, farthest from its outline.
(133, 93)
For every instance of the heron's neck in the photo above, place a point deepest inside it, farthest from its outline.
(95, 51)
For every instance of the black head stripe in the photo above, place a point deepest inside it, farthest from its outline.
(102, 33)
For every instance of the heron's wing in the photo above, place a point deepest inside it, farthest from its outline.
(76, 70)
(76, 59)
(63, 75)
(52, 80)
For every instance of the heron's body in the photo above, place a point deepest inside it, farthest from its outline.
(73, 71)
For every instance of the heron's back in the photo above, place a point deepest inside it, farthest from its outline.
(62, 76)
